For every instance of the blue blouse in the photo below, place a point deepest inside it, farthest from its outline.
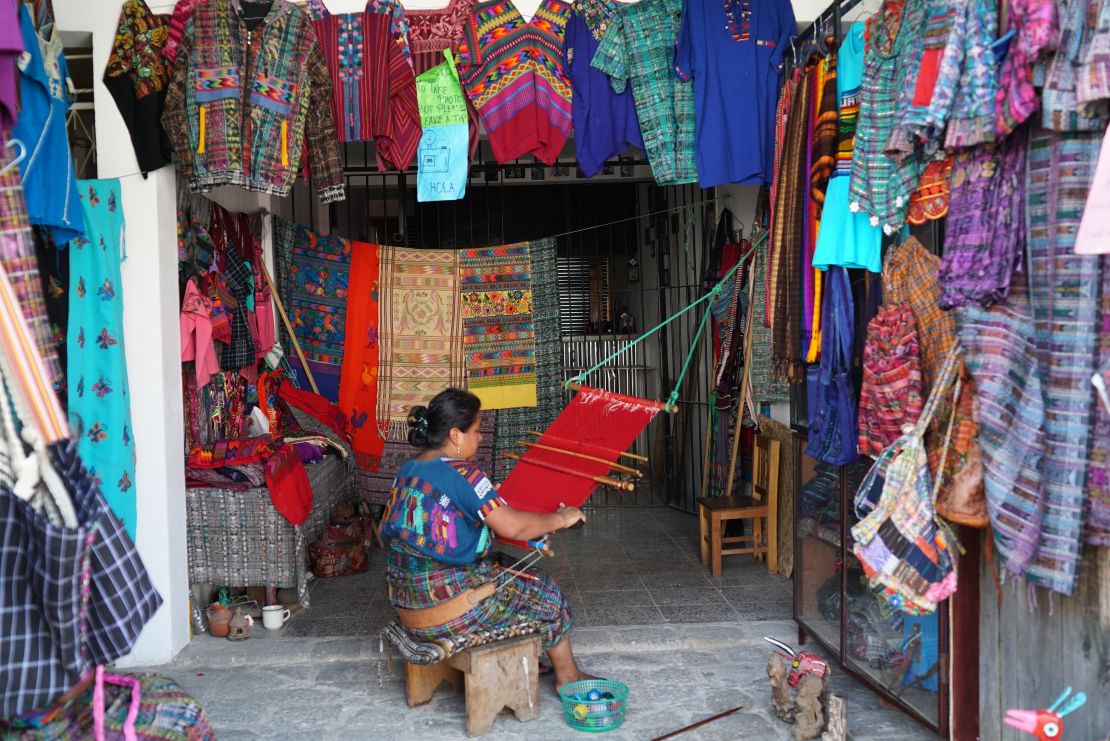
(439, 508)
(49, 182)
(605, 122)
(733, 53)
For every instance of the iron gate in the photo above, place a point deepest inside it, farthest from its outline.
(630, 254)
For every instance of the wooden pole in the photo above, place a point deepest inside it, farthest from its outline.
(605, 480)
(705, 460)
(623, 469)
(744, 383)
(699, 724)
(620, 453)
(288, 326)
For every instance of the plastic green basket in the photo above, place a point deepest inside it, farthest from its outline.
(594, 716)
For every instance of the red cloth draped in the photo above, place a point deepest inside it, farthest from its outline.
(286, 479)
(358, 380)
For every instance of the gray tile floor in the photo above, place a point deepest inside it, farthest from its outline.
(648, 613)
(630, 566)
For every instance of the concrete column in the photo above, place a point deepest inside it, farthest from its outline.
(152, 340)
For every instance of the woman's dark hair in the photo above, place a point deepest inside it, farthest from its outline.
(449, 409)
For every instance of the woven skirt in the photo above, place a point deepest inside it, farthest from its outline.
(416, 582)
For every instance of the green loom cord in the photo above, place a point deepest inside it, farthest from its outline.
(673, 398)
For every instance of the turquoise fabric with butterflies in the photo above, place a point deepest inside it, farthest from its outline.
(99, 398)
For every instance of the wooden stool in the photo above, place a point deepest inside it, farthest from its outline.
(713, 512)
(503, 674)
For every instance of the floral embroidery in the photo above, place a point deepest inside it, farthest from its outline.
(97, 433)
(137, 50)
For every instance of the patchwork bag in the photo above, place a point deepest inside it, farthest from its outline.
(901, 545)
(830, 393)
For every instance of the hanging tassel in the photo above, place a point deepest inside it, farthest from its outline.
(285, 144)
(200, 144)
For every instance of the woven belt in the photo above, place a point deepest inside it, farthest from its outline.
(445, 611)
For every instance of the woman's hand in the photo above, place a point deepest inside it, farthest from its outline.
(570, 516)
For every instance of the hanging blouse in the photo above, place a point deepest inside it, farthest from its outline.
(972, 119)
(432, 32)
(880, 187)
(136, 77)
(605, 122)
(49, 181)
(1035, 26)
(639, 47)
(847, 238)
(747, 38)
(373, 95)
(1059, 98)
(512, 70)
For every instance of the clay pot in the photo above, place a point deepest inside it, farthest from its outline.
(219, 616)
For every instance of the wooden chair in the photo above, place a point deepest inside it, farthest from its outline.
(714, 512)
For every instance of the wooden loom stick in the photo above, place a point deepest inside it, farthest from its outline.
(620, 453)
(288, 326)
(660, 405)
(699, 724)
(744, 384)
(623, 469)
(606, 480)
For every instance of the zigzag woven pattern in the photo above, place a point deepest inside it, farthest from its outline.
(217, 83)
(420, 333)
(498, 337)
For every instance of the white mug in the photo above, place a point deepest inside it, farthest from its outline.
(274, 616)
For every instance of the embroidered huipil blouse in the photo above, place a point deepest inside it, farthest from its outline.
(639, 47)
(245, 98)
(512, 71)
(1034, 23)
(747, 38)
(605, 122)
(373, 89)
(136, 76)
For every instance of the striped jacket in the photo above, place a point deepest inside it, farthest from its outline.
(244, 100)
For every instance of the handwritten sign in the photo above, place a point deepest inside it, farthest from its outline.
(442, 157)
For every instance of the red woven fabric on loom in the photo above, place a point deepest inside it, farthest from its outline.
(595, 423)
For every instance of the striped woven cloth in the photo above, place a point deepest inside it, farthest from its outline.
(1064, 296)
(890, 395)
(1098, 472)
(498, 337)
(999, 352)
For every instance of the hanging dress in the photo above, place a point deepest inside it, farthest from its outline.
(99, 398)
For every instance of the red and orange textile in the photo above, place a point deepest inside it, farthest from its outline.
(358, 379)
(890, 396)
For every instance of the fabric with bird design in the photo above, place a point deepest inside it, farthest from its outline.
(99, 397)
(358, 381)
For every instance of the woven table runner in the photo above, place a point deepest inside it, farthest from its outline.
(498, 337)
(420, 333)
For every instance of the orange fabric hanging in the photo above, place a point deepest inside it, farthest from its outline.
(358, 379)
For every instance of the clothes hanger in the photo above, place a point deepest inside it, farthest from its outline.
(22, 155)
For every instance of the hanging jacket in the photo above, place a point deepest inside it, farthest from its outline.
(244, 98)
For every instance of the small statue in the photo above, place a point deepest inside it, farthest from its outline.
(1046, 725)
(799, 681)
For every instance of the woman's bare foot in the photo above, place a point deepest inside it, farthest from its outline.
(578, 677)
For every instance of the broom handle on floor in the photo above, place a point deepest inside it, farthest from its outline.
(289, 327)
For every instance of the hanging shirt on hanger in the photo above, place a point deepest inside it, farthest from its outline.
(512, 70)
(605, 122)
(136, 76)
(639, 47)
(747, 38)
(373, 89)
(49, 181)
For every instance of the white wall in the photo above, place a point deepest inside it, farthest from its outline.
(152, 340)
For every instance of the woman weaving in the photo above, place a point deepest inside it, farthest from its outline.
(441, 510)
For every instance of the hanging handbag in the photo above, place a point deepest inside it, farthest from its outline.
(74, 591)
(957, 463)
(830, 392)
(899, 542)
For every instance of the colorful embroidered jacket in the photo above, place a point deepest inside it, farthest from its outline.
(245, 98)
(512, 70)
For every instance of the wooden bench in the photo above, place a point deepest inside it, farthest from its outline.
(495, 675)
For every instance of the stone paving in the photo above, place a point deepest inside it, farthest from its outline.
(648, 614)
